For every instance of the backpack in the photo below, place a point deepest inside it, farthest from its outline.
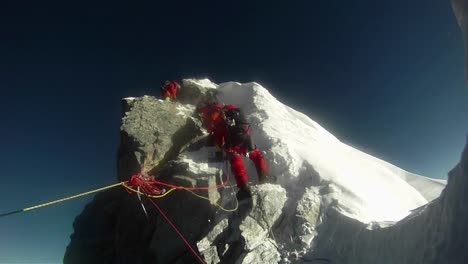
(238, 126)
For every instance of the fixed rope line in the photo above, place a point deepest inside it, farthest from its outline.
(223, 184)
(128, 187)
(61, 200)
(190, 190)
(124, 184)
(151, 182)
(215, 204)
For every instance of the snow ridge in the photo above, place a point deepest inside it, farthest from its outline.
(363, 187)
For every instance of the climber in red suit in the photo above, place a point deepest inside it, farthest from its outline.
(169, 90)
(230, 132)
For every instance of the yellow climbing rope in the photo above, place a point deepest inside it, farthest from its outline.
(72, 197)
(124, 184)
(148, 195)
(61, 200)
(215, 204)
(188, 190)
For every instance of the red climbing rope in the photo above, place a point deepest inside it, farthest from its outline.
(149, 184)
(177, 231)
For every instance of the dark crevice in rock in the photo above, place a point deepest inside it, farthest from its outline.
(181, 138)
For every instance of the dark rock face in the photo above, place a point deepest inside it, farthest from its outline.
(460, 9)
(454, 215)
(435, 233)
(112, 229)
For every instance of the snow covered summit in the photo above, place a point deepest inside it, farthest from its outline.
(297, 149)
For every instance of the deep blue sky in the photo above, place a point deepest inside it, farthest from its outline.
(384, 76)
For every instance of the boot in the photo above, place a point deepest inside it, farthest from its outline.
(244, 193)
(263, 177)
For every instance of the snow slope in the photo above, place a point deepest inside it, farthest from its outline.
(297, 148)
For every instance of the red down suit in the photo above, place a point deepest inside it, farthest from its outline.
(230, 131)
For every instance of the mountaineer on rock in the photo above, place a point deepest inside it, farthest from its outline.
(169, 90)
(230, 132)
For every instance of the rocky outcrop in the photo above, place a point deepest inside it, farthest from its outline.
(195, 92)
(152, 133)
(164, 139)
(246, 236)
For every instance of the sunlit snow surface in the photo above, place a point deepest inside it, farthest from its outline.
(362, 187)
